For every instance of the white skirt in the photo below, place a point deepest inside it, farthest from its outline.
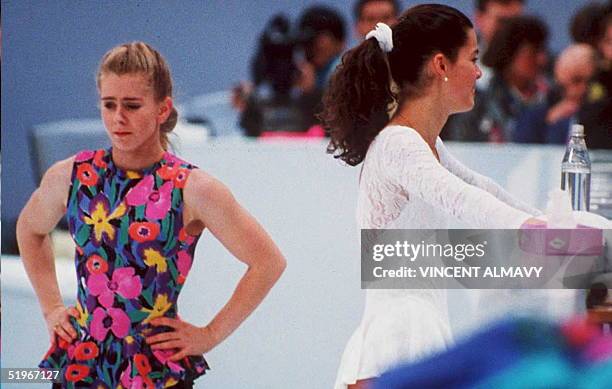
(395, 331)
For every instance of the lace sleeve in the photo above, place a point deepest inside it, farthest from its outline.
(408, 161)
(483, 182)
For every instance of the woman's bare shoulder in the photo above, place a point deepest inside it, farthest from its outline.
(56, 181)
(205, 187)
(60, 170)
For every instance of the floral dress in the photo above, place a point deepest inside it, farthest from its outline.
(132, 258)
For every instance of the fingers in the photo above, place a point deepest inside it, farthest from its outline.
(172, 335)
(178, 356)
(62, 327)
(63, 332)
(67, 326)
(176, 344)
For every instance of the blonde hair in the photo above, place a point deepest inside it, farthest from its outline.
(139, 57)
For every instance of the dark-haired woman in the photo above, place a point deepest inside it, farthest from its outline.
(385, 107)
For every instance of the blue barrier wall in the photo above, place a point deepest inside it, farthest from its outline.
(51, 50)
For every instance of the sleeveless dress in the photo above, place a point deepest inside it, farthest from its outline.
(132, 258)
(403, 186)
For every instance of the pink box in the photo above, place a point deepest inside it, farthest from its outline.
(537, 238)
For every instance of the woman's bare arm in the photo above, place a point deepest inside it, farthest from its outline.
(212, 204)
(38, 218)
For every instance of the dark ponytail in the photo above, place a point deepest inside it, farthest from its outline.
(356, 101)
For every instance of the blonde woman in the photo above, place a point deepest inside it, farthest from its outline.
(135, 212)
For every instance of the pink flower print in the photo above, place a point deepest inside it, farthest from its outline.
(184, 263)
(164, 357)
(137, 382)
(157, 201)
(70, 351)
(123, 282)
(84, 155)
(133, 383)
(113, 319)
(126, 380)
(173, 159)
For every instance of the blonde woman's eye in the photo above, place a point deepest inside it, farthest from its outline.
(109, 105)
(132, 107)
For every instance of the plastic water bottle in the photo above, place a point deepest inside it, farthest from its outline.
(576, 170)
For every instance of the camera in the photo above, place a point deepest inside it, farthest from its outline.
(272, 106)
(274, 60)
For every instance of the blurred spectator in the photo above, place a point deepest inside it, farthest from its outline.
(550, 121)
(586, 24)
(597, 112)
(323, 32)
(369, 12)
(592, 24)
(290, 72)
(604, 49)
(517, 56)
(487, 17)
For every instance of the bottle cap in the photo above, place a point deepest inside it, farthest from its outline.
(578, 129)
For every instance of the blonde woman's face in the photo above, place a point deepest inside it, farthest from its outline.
(129, 111)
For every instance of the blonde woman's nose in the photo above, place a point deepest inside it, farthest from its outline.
(119, 116)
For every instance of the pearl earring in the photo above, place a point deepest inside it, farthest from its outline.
(445, 79)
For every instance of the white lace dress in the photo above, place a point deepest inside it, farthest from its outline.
(403, 186)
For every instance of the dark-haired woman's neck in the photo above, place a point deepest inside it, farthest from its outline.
(425, 115)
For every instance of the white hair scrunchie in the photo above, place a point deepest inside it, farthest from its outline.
(383, 35)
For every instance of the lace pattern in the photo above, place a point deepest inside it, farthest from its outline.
(404, 186)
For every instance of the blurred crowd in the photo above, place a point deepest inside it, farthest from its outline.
(527, 94)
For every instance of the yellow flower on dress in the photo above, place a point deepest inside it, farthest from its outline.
(153, 257)
(159, 308)
(83, 315)
(100, 219)
(132, 174)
